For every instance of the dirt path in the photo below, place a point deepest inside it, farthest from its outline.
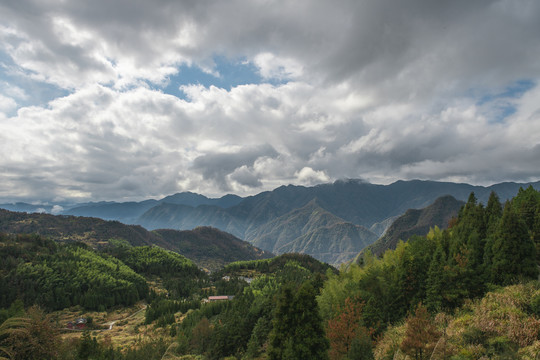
(110, 324)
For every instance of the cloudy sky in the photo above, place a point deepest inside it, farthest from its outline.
(133, 99)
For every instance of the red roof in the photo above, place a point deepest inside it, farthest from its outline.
(220, 297)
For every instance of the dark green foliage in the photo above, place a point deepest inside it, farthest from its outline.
(526, 204)
(297, 331)
(163, 310)
(514, 253)
(230, 286)
(436, 282)
(493, 213)
(15, 309)
(89, 348)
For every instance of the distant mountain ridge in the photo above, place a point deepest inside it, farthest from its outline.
(355, 202)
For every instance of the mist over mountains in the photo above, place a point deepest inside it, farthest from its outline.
(332, 222)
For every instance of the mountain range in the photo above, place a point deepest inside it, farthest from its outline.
(332, 222)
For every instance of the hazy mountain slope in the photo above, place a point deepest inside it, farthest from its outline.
(129, 212)
(25, 207)
(334, 244)
(359, 202)
(211, 248)
(126, 212)
(380, 227)
(418, 222)
(183, 217)
(291, 225)
(194, 200)
(264, 207)
(313, 230)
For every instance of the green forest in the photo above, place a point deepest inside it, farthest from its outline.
(470, 291)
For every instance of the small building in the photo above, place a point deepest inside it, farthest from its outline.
(220, 298)
(80, 323)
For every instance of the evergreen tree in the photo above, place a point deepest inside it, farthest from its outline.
(282, 323)
(525, 204)
(535, 233)
(514, 253)
(492, 213)
(297, 331)
(436, 282)
(471, 219)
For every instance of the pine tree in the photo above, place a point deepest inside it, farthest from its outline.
(525, 204)
(297, 331)
(282, 323)
(493, 213)
(535, 233)
(514, 253)
(436, 280)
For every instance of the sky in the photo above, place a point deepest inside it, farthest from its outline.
(132, 99)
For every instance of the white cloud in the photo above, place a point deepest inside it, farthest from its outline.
(273, 67)
(7, 104)
(308, 176)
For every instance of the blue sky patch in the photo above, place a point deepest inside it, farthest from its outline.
(232, 72)
(501, 105)
(38, 93)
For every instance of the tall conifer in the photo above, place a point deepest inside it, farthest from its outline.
(514, 253)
